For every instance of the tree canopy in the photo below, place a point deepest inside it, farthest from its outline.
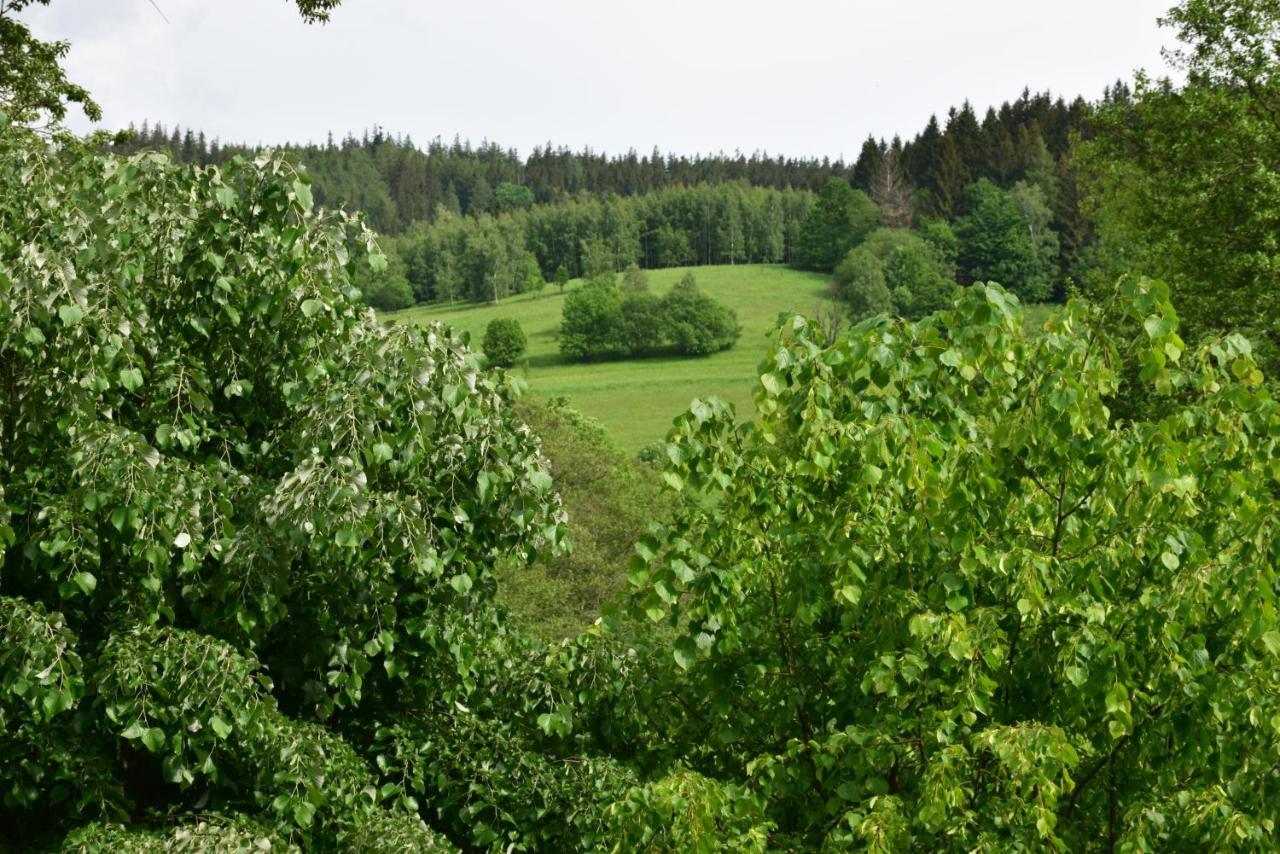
(1185, 178)
(938, 597)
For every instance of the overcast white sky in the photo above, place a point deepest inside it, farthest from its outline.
(801, 77)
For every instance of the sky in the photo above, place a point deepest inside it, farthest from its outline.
(800, 77)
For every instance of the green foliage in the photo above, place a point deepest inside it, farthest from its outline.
(1005, 237)
(938, 597)
(610, 500)
(495, 790)
(1184, 178)
(208, 836)
(592, 326)
(841, 218)
(896, 271)
(383, 282)
(33, 85)
(508, 196)
(686, 811)
(601, 322)
(634, 281)
(504, 342)
(240, 464)
(694, 323)
(859, 280)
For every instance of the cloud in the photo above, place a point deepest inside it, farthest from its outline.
(806, 77)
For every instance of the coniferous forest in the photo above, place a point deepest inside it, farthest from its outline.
(991, 565)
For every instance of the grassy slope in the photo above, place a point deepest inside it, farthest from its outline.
(637, 399)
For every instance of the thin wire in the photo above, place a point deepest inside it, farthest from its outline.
(157, 8)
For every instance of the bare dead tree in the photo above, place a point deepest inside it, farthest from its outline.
(828, 319)
(891, 191)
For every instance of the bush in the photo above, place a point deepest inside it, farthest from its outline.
(599, 322)
(591, 326)
(642, 322)
(504, 341)
(896, 270)
(697, 325)
(860, 283)
(635, 281)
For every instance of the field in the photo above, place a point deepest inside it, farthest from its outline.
(637, 399)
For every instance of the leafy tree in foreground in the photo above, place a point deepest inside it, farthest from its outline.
(218, 466)
(33, 84)
(504, 341)
(938, 598)
(1185, 179)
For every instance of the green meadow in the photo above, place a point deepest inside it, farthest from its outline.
(637, 399)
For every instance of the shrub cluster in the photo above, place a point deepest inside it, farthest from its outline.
(600, 321)
(504, 341)
(896, 271)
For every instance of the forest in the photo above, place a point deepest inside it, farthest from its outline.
(472, 223)
(990, 566)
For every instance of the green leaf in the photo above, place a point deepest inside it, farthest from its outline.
(70, 314)
(382, 452)
(219, 726)
(1158, 327)
(153, 739)
(771, 384)
(86, 581)
(134, 731)
(461, 583)
(131, 378)
(311, 307)
(685, 652)
(304, 812)
(303, 193)
(1271, 640)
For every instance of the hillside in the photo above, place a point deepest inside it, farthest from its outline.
(637, 399)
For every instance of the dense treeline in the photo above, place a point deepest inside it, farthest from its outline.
(481, 223)
(396, 182)
(490, 257)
